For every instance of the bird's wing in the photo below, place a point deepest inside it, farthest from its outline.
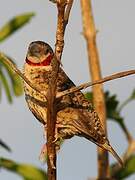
(88, 122)
(87, 126)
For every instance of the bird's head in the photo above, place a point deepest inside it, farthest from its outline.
(39, 54)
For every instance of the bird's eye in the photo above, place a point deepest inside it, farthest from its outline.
(46, 51)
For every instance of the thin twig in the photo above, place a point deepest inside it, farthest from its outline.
(124, 103)
(129, 152)
(67, 12)
(126, 132)
(60, 30)
(17, 71)
(100, 81)
(71, 90)
(4, 145)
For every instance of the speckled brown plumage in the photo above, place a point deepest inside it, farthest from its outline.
(75, 114)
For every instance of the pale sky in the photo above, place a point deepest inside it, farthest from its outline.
(19, 129)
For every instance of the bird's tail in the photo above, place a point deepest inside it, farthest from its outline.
(109, 148)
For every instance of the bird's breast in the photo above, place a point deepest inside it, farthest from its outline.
(38, 77)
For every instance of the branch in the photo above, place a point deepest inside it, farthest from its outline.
(129, 152)
(17, 71)
(67, 12)
(95, 72)
(126, 132)
(51, 120)
(100, 81)
(51, 95)
(4, 145)
(71, 90)
(60, 29)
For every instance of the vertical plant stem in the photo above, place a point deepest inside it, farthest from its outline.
(126, 132)
(60, 31)
(51, 119)
(94, 66)
(51, 105)
(51, 96)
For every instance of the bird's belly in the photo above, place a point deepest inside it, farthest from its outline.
(39, 111)
(36, 103)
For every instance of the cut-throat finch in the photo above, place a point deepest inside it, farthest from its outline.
(75, 114)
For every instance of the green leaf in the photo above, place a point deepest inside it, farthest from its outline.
(4, 145)
(6, 86)
(16, 81)
(112, 109)
(88, 95)
(112, 105)
(28, 172)
(127, 101)
(127, 171)
(133, 94)
(14, 24)
(0, 90)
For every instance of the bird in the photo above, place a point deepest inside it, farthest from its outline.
(76, 115)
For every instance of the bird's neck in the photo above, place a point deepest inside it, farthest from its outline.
(45, 62)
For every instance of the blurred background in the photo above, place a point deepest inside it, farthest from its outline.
(19, 129)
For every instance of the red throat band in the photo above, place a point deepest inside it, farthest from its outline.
(45, 62)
